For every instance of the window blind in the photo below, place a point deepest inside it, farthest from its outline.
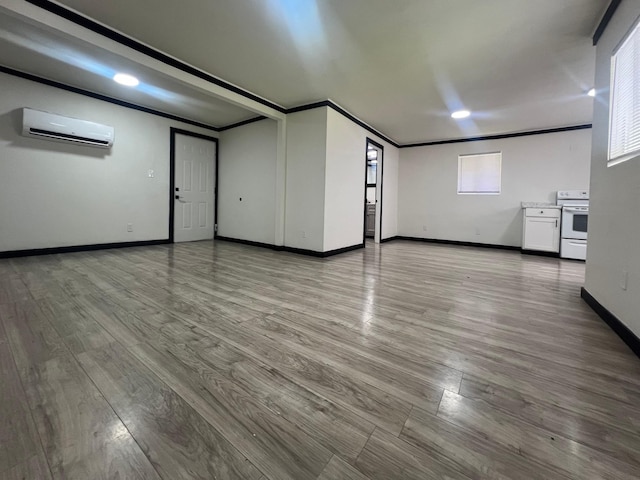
(480, 173)
(624, 121)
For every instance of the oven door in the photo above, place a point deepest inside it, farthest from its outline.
(574, 222)
(571, 248)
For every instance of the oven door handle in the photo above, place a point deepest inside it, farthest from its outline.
(576, 210)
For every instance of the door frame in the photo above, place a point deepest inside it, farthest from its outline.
(172, 178)
(379, 184)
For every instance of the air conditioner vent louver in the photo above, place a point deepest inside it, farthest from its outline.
(63, 136)
(48, 126)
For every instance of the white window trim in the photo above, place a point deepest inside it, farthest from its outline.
(634, 30)
(462, 157)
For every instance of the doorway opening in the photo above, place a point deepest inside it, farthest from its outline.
(374, 158)
(193, 186)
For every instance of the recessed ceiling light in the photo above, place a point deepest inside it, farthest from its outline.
(125, 79)
(460, 114)
(592, 92)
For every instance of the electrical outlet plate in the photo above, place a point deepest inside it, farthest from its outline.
(129, 227)
(151, 173)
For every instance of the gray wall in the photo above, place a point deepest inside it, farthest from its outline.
(533, 169)
(614, 215)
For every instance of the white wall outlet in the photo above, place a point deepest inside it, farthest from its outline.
(624, 280)
(424, 228)
(129, 227)
(477, 231)
(151, 173)
(303, 234)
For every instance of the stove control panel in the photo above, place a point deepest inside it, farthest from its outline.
(573, 195)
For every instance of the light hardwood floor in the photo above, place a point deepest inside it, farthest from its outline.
(223, 361)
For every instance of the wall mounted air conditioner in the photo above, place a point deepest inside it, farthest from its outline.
(48, 126)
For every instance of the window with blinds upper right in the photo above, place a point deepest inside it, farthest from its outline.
(624, 108)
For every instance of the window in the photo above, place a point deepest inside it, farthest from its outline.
(624, 119)
(479, 173)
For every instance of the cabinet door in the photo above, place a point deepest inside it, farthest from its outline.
(541, 233)
(371, 220)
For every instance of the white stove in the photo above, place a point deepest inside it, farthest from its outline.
(575, 216)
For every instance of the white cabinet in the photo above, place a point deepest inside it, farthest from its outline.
(371, 220)
(541, 229)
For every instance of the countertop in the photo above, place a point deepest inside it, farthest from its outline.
(540, 205)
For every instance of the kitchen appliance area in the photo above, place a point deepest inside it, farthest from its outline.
(557, 228)
(575, 219)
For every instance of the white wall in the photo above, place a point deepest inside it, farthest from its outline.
(344, 183)
(345, 176)
(247, 170)
(614, 218)
(305, 183)
(533, 169)
(54, 194)
(390, 191)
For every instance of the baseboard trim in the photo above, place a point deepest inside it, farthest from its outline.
(540, 253)
(627, 336)
(248, 242)
(329, 253)
(389, 239)
(300, 251)
(472, 244)
(456, 242)
(80, 248)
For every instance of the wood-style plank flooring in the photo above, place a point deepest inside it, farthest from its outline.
(224, 361)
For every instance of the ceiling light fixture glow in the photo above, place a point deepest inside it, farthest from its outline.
(125, 79)
(460, 114)
(592, 92)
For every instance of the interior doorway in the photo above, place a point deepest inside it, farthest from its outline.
(374, 158)
(193, 186)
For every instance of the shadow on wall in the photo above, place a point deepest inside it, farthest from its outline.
(11, 131)
(514, 228)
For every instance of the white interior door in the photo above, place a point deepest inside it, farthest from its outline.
(195, 161)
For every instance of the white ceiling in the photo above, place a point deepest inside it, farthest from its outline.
(399, 65)
(30, 48)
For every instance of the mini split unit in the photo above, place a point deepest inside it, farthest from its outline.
(48, 126)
